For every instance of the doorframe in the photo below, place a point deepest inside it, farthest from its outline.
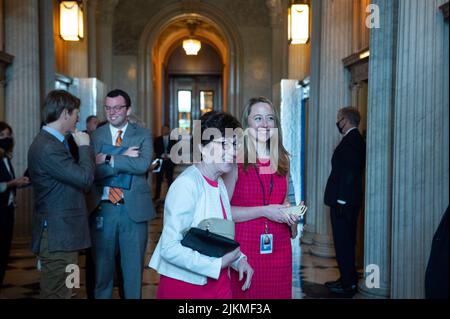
(171, 109)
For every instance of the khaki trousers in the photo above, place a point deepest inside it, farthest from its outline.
(53, 271)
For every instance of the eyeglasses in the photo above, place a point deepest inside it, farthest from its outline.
(226, 145)
(116, 108)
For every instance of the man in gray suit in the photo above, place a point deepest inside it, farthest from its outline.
(120, 214)
(60, 222)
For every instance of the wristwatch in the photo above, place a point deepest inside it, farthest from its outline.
(107, 159)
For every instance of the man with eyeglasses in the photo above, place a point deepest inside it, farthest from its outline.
(121, 200)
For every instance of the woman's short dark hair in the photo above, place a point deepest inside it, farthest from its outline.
(218, 120)
(56, 102)
(117, 92)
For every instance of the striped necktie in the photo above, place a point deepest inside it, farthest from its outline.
(115, 193)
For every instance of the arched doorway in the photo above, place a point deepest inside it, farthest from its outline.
(163, 33)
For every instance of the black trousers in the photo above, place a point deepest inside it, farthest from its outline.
(166, 170)
(6, 234)
(344, 221)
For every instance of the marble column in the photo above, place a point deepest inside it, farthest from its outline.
(421, 142)
(312, 198)
(279, 46)
(336, 44)
(92, 37)
(47, 47)
(22, 95)
(380, 116)
(105, 16)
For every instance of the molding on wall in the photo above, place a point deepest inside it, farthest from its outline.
(358, 65)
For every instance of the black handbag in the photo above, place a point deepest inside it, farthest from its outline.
(208, 243)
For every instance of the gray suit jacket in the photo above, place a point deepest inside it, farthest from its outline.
(138, 200)
(58, 186)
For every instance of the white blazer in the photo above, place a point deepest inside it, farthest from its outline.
(190, 200)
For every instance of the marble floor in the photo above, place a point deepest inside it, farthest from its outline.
(309, 272)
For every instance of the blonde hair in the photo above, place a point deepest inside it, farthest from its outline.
(283, 155)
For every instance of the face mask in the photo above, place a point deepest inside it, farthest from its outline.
(6, 143)
(339, 128)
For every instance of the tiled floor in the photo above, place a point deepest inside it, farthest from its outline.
(309, 272)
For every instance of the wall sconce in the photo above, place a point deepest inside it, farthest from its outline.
(71, 20)
(298, 22)
(191, 45)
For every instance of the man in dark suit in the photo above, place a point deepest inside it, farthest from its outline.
(120, 214)
(60, 222)
(343, 193)
(163, 145)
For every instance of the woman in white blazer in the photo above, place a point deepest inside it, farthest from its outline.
(197, 194)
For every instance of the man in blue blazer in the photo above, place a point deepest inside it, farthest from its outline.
(119, 221)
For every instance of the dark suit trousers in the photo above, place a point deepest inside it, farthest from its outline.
(166, 170)
(6, 233)
(90, 275)
(344, 221)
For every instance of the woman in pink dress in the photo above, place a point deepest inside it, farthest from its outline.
(257, 187)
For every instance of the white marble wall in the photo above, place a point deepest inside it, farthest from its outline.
(421, 142)
(22, 94)
(124, 78)
(104, 36)
(47, 47)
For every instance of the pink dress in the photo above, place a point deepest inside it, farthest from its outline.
(272, 278)
(170, 288)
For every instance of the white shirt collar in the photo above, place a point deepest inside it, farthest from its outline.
(115, 130)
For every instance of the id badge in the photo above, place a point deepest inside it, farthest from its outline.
(266, 244)
(99, 222)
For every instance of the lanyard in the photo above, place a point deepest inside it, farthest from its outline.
(265, 203)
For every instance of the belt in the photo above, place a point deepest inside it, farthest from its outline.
(120, 202)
